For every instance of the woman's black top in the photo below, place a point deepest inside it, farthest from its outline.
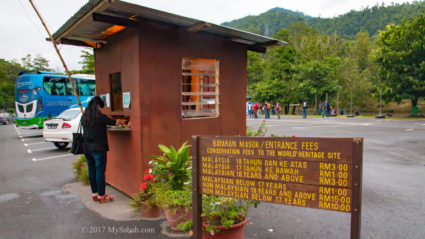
(95, 138)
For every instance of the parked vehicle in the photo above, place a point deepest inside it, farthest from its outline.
(5, 118)
(59, 130)
(42, 95)
(12, 119)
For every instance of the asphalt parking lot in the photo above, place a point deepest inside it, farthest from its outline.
(35, 196)
(37, 148)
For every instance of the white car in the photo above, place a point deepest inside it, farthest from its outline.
(59, 130)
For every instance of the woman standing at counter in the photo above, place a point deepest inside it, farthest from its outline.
(96, 145)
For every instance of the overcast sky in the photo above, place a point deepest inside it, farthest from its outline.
(22, 32)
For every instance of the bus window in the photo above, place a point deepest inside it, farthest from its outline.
(69, 90)
(54, 85)
(86, 87)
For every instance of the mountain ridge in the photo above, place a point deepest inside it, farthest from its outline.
(369, 19)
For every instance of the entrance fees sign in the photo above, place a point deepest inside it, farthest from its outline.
(323, 173)
(307, 172)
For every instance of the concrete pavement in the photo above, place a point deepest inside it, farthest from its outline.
(119, 209)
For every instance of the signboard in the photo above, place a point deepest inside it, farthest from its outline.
(106, 99)
(322, 173)
(126, 100)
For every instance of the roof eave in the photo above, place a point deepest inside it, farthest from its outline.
(85, 12)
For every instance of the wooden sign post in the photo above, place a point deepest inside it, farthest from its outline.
(322, 173)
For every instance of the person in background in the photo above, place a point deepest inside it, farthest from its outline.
(255, 107)
(305, 105)
(251, 109)
(325, 109)
(357, 112)
(96, 145)
(278, 109)
(260, 109)
(267, 107)
(342, 111)
(329, 108)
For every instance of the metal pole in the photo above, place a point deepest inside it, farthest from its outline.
(351, 101)
(337, 103)
(380, 100)
(356, 203)
(60, 56)
(196, 190)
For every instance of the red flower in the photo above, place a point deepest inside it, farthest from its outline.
(147, 177)
(154, 180)
(147, 171)
(293, 136)
(144, 186)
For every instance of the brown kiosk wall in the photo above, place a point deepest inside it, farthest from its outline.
(150, 61)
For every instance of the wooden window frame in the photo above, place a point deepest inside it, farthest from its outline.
(197, 103)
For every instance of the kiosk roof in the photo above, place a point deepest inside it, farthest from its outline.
(99, 19)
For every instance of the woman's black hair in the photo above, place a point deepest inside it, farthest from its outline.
(92, 111)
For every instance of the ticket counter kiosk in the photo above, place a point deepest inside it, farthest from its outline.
(169, 76)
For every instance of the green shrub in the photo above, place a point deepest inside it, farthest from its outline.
(174, 167)
(185, 226)
(224, 211)
(84, 175)
(260, 132)
(76, 165)
(165, 197)
(135, 203)
(80, 169)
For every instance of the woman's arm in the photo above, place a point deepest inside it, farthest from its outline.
(105, 119)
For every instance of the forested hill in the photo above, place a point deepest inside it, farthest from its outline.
(370, 19)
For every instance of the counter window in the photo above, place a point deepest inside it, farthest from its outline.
(116, 91)
(200, 89)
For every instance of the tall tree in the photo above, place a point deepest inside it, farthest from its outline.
(400, 57)
(87, 62)
(278, 70)
(7, 87)
(27, 62)
(362, 50)
(318, 59)
(39, 63)
(255, 68)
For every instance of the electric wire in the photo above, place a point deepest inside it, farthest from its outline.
(29, 18)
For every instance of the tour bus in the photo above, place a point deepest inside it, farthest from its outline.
(41, 95)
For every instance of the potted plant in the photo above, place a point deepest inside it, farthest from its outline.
(224, 217)
(144, 200)
(177, 204)
(173, 192)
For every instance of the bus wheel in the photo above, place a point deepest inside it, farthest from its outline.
(61, 145)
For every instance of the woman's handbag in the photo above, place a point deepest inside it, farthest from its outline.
(78, 141)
